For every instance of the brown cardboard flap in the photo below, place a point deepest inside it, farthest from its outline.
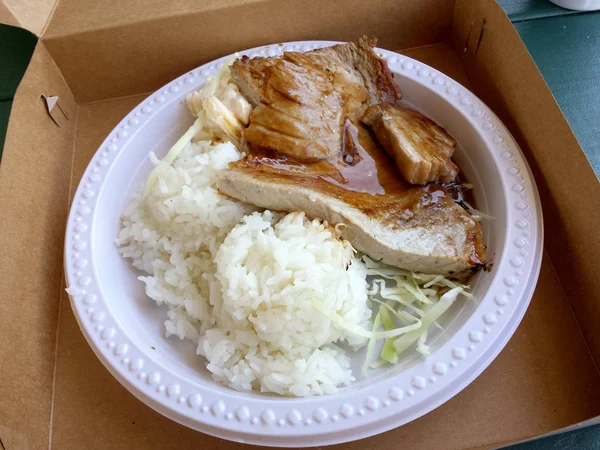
(440, 56)
(29, 14)
(71, 18)
(34, 184)
(503, 74)
(112, 62)
(12, 440)
(543, 380)
(7, 17)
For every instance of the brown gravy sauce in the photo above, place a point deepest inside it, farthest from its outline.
(362, 176)
(368, 181)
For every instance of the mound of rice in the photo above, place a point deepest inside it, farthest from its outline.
(239, 283)
(174, 234)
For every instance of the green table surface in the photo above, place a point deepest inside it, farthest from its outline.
(566, 48)
(564, 44)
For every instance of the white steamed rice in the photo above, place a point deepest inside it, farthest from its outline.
(239, 282)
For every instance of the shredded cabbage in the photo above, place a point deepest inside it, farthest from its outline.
(371, 345)
(476, 214)
(359, 331)
(388, 352)
(210, 111)
(414, 301)
(172, 154)
(423, 348)
(223, 118)
(430, 316)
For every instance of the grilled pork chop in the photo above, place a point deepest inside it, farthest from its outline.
(310, 152)
(422, 150)
(301, 100)
(423, 230)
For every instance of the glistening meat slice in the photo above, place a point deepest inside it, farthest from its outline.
(422, 149)
(423, 232)
(307, 150)
(302, 100)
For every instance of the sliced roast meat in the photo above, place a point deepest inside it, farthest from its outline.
(422, 149)
(307, 150)
(427, 232)
(418, 228)
(301, 100)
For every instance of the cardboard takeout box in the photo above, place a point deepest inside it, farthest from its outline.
(102, 58)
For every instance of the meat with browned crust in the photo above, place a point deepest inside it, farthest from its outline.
(301, 100)
(422, 149)
(308, 151)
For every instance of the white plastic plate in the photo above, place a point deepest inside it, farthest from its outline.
(578, 5)
(125, 329)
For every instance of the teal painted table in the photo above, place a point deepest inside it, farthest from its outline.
(566, 47)
(564, 44)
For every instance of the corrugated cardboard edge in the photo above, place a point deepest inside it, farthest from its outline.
(12, 440)
(7, 17)
(33, 15)
(33, 226)
(112, 62)
(572, 206)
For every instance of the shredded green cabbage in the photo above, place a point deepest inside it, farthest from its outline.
(172, 154)
(213, 110)
(359, 331)
(423, 348)
(434, 281)
(430, 316)
(409, 304)
(388, 352)
(371, 345)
